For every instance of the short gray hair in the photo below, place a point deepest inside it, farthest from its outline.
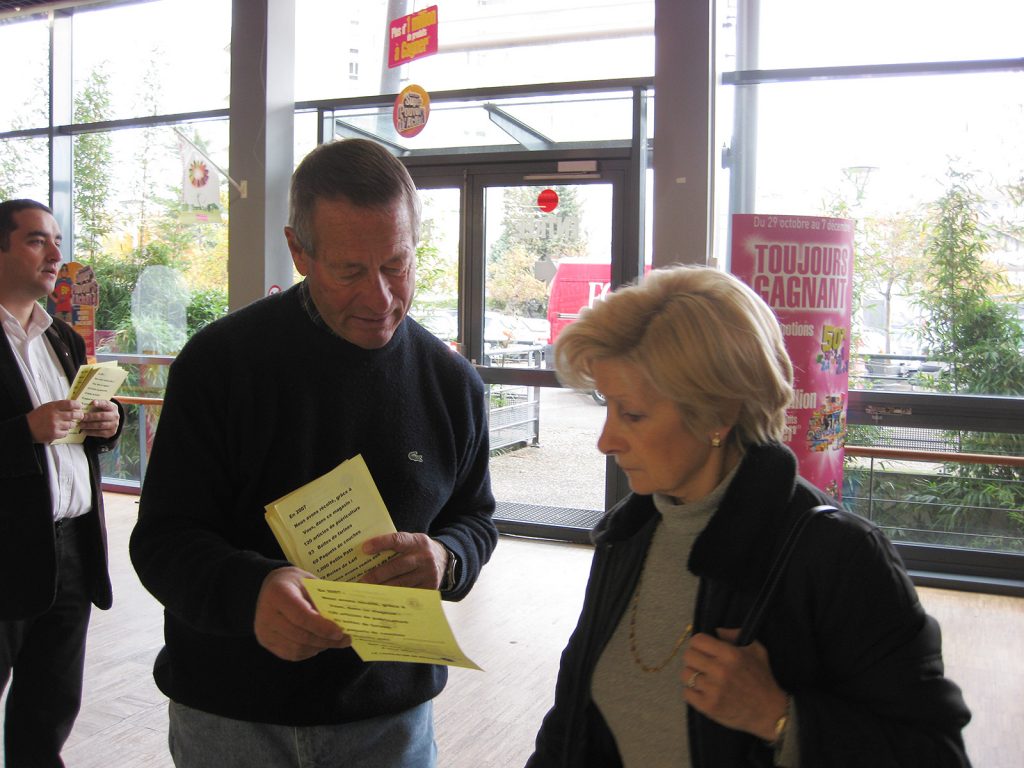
(358, 170)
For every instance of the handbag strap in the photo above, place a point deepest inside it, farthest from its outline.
(756, 613)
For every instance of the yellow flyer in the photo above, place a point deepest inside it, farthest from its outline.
(321, 526)
(390, 623)
(94, 381)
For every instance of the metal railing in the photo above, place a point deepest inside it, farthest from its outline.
(876, 489)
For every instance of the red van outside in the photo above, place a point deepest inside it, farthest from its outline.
(575, 286)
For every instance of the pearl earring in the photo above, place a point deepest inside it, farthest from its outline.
(716, 441)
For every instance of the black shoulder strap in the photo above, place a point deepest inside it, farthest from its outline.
(756, 613)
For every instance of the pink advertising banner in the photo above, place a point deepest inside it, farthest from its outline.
(802, 266)
(412, 37)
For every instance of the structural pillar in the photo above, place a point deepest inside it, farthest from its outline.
(261, 151)
(683, 119)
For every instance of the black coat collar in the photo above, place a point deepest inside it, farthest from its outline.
(752, 514)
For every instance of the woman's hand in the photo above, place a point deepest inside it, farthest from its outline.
(732, 686)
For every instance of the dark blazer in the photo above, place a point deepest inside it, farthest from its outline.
(845, 633)
(27, 555)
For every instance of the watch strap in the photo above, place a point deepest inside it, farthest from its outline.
(449, 580)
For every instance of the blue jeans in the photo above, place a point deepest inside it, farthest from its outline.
(200, 740)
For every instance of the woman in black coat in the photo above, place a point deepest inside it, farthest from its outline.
(842, 667)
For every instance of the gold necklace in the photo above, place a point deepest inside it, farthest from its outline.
(634, 607)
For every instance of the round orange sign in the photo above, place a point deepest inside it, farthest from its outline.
(412, 108)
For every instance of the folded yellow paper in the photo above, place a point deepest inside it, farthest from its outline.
(390, 623)
(94, 381)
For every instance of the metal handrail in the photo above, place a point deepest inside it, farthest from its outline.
(905, 454)
(139, 400)
(858, 451)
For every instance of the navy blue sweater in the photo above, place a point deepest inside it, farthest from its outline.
(258, 404)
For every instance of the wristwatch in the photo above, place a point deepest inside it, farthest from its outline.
(448, 582)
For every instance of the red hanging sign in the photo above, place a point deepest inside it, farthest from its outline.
(547, 200)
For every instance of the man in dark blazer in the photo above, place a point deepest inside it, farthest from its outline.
(53, 548)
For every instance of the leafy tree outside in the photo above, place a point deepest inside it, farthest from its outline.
(969, 323)
(92, 169)
(530, 235)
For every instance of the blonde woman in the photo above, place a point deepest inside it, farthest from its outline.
(842, 666)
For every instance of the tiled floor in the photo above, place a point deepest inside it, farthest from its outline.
(514, 625)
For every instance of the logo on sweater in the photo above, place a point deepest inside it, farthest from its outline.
(416, 456)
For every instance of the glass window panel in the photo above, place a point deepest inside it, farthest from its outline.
(886, 152)
(939, 502)
(648, 220)
(125, 462)
(25, 97)
(305, 134)
(449, 125)
(25, 169)
(480, 44)
(904, 129)
(160, 57)
(162, 268)
(810, 33)
(607, 117)
(436, 304)
(558, 119)
(547, 255)
(560, 471)
(326, 28)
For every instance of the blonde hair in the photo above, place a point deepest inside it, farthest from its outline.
(703, 339)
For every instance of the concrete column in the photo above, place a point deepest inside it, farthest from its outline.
(683, 119)
(261, 152)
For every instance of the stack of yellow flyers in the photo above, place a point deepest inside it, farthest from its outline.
(94, 381)
(321, 528)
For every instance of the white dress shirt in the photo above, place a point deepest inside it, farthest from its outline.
(44, 377)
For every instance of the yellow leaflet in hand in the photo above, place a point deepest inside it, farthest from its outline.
(322, 525)
(390, 623)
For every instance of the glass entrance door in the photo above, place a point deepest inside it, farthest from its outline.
(522, 256)
(547, 253)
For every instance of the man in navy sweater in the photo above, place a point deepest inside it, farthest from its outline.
(267, 399)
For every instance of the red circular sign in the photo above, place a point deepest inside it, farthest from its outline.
(547, 200)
